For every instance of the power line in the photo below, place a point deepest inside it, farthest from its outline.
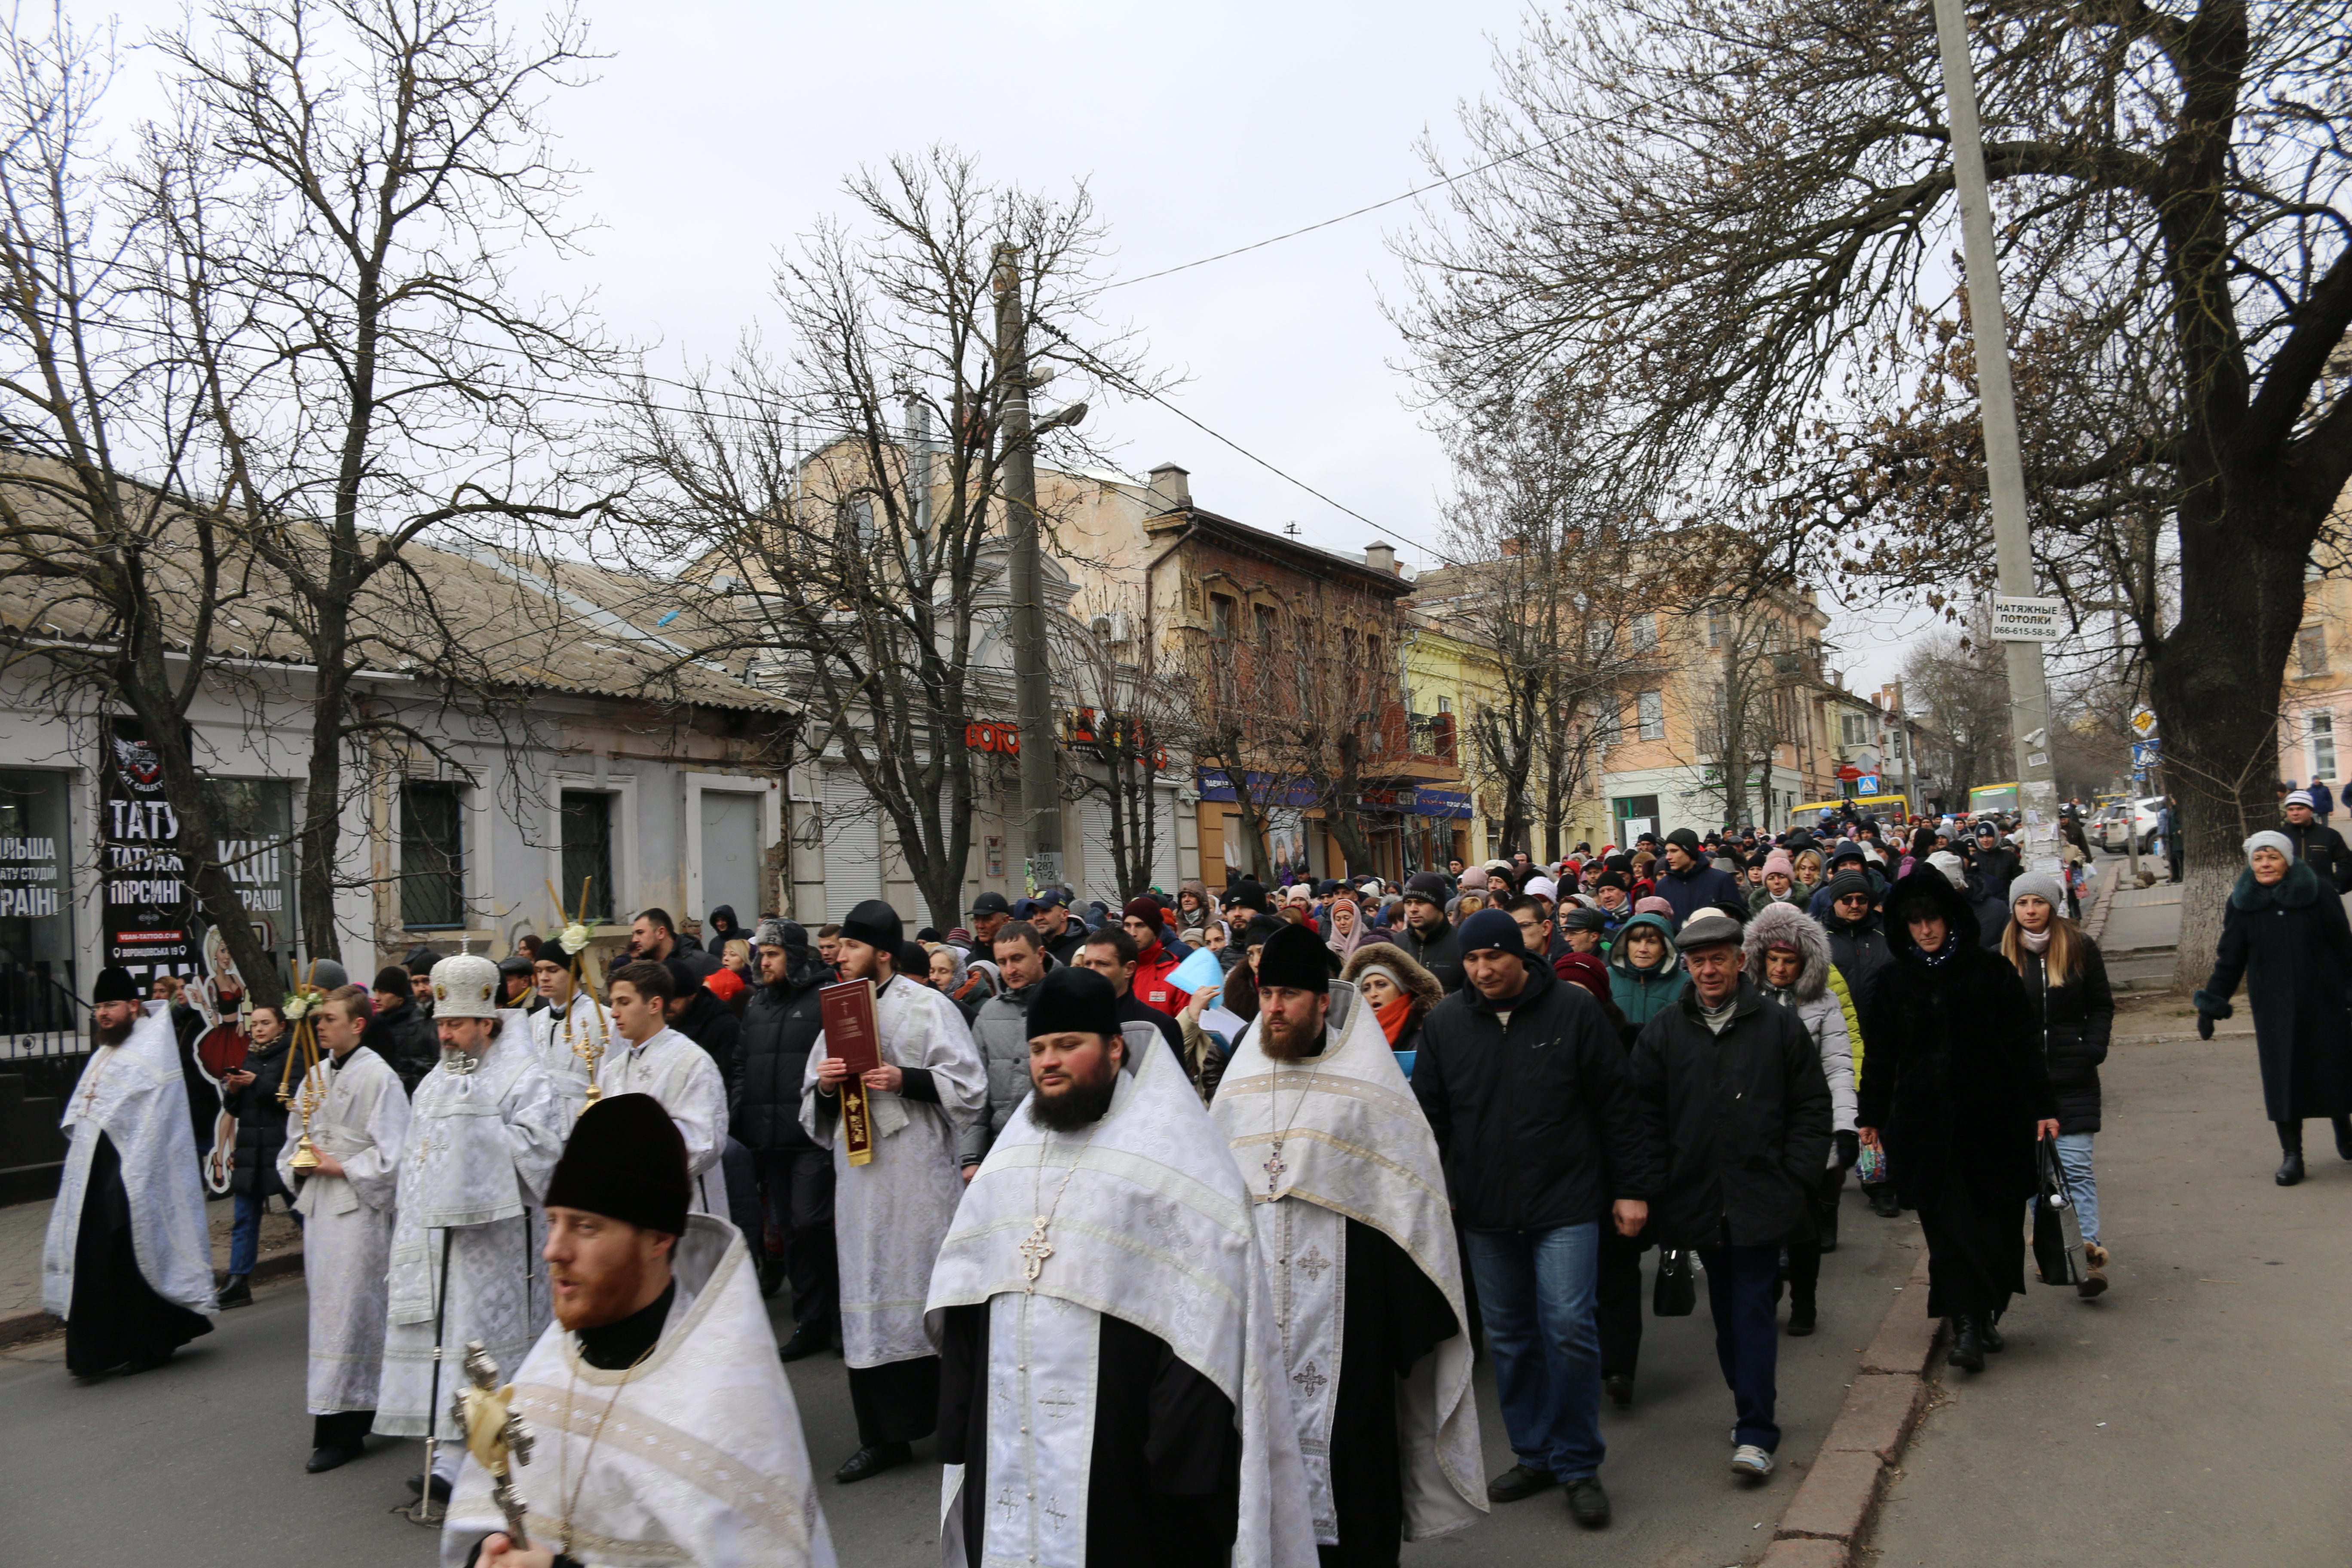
(1343, 218)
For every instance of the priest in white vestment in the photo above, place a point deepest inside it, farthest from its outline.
(663, 1431)
(1113, 1389)
(573, 1033)
(890, 1213)
(648, 1057)
(127, 1262)
(1357, 1242)
(484, 1131)
(358, 1124)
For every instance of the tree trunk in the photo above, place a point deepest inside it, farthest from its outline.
(216, 889)
(319, 834)
(2215, 680)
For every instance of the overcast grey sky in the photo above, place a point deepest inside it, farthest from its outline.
(717, 132)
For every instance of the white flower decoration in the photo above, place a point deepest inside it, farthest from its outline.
(574, 938)
(301, 1005)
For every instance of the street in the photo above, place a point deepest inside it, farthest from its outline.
(218, 1440)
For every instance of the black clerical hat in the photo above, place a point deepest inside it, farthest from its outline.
(1296, 957)
(625, 1160)
(113, 985)
(1073, 1000)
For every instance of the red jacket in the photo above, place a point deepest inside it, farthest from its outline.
(1153, 968)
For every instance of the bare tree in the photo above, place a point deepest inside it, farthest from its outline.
(121, 560)
(1956, 680)
(1131, 726)
(1753, 667)
(1729, 221)
(345, 189)
(867, 554)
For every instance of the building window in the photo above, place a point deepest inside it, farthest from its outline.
(432, 857)
(2311, 650)
(588, 850)
(1850, 726)
(2321, 729)
(1221, 616)
(1646, 632)
(1653, 715)
(1714, 629)
(1265, 626)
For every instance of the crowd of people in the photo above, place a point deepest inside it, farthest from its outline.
(1178, 1224)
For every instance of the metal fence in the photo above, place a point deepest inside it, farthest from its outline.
(38, 1014)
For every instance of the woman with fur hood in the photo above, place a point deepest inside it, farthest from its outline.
(1787, 956)
(1958, 1094)
(1398, 991)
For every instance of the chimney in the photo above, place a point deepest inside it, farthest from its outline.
(1172, 488)
(1380, 557)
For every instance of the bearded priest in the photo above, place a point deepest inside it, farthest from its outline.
(1111, 1388)
(484, 1131)
(1358, 1244)
(126, 1262)
(663, 1429)
(889, 1210)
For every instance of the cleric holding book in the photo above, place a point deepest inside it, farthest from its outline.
(893, 1133)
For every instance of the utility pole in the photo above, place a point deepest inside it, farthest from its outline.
(1041, 792)
(2029, 693)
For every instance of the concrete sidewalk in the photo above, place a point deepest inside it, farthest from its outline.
(2196, 1414)
(24, 1226)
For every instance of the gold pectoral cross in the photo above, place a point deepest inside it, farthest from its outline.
(1036, 1249)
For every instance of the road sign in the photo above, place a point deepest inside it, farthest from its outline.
(2143, 755)
(1866, 784)
(2143, 722)
(2018, 619)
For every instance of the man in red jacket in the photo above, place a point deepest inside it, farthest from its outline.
(1153, 963)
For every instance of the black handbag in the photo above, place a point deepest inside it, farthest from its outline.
(2057, 1230)
(1675, 1294)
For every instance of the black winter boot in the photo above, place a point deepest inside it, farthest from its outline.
(2290, 1169)
(1967, 1345)
(2344, 1137)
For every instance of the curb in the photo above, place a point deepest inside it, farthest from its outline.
(2095, 922)
(17, 1327)
(1825, 1521)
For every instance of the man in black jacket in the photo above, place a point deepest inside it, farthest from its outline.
(1529, 1093)
(1426, 938)
(1692, 883)
(1731, 1090)
(780, 1027)
(1858, 948)
(2316, 842)
(402, 1033)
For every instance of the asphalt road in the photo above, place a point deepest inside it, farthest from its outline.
(2199, 1413)
(199, 1464)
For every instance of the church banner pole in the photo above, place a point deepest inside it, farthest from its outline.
(423, 1514)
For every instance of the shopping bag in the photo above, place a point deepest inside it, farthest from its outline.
(2057, 1230)
(1675, 1294)
(1871, 1168)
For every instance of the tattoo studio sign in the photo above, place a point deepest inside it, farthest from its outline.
(149, 925)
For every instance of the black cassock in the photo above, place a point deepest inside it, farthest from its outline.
(1393, 1314)
(115, 1316)
(1164, 1486)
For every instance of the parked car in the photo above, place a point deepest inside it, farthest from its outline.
(2109, 832)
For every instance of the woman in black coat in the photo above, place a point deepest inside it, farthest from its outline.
(1954, 1090)
(2074, 1017)
(2286, 933)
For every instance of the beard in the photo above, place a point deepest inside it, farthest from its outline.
(605, 1299)
(1282, 1043)
(114, 1035)
(1080, 1105)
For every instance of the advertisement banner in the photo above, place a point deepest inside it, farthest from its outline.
(148, 915)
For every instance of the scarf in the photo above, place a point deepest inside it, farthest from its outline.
(2035, 941)
(1393, 1017)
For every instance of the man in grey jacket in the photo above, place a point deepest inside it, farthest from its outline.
(1002, 1028)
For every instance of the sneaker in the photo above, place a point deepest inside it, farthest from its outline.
(1750, 1460)
(1519, 1481)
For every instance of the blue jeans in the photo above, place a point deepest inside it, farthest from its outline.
(1536, 1295)
(245, 1233)
(1741, 1290)
(2082, 1182)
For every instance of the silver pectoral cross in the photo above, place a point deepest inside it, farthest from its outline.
(1036, 1249)
(1274, 1167)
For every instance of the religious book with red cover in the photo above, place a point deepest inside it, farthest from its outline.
(847, 1010)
